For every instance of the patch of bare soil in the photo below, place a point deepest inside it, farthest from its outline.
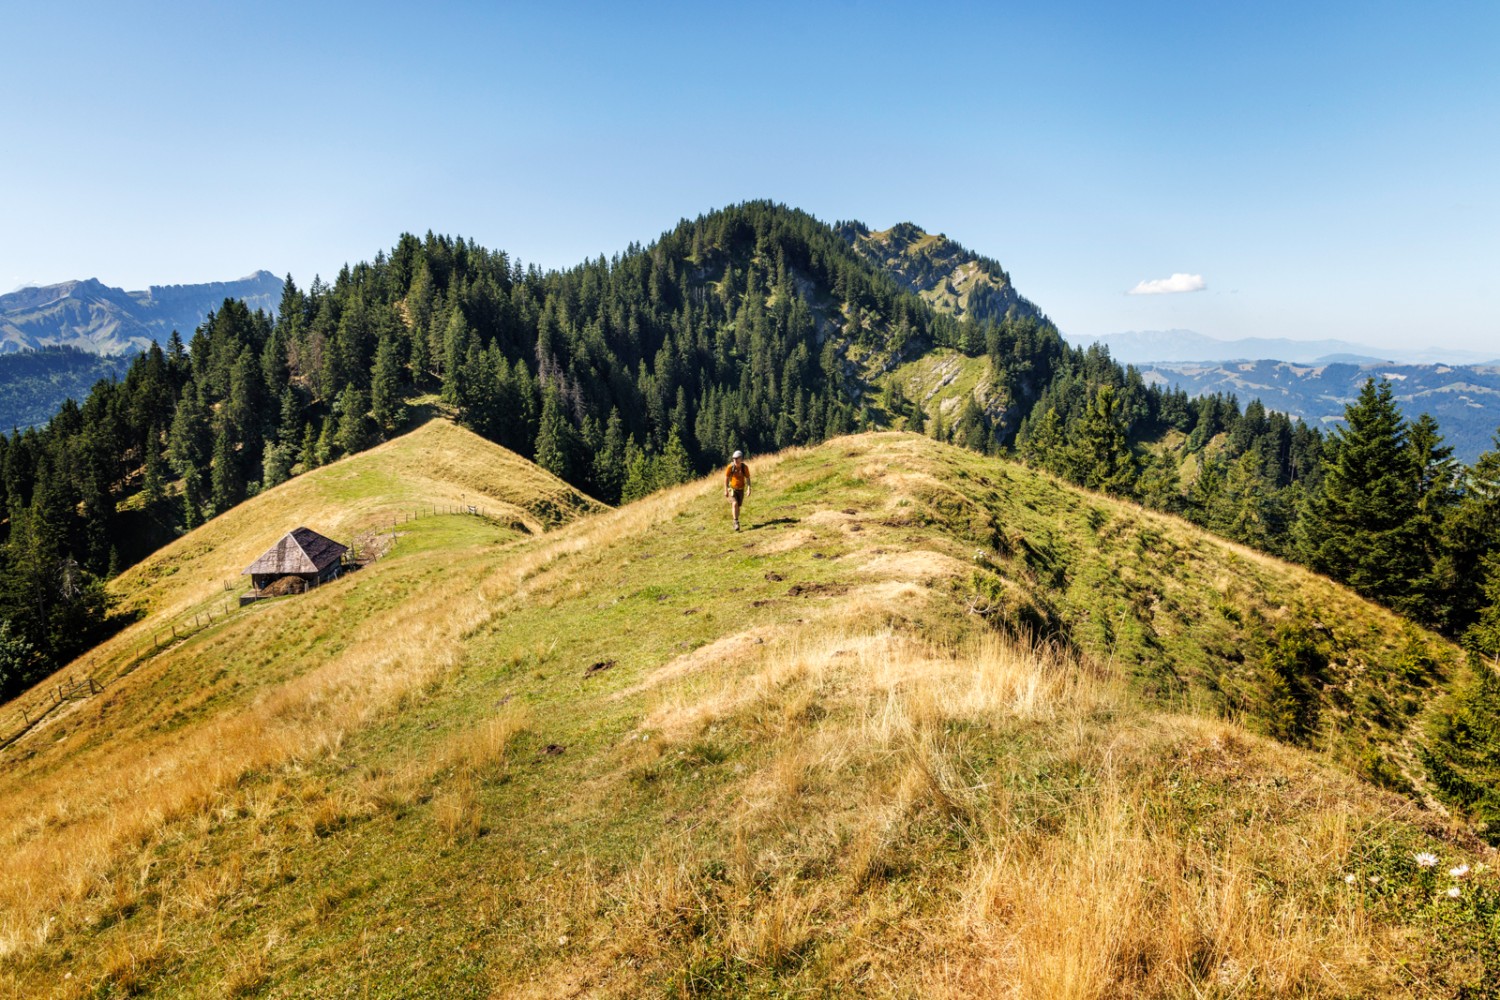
(817, 589)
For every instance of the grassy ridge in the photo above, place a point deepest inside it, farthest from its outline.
(642, 755)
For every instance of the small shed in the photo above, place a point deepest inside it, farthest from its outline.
(301, 552)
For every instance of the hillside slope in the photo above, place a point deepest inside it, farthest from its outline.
(641, 755)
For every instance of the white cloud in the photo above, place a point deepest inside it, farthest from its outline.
(1169, 286)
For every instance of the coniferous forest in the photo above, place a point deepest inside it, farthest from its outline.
(754, 327)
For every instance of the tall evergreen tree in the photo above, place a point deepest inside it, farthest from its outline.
(385, 385)
(227, 485)
(1361, 524)
(609, 460)
(554, 440)
(1102, 454)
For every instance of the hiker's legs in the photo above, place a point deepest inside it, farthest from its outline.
(736, 498)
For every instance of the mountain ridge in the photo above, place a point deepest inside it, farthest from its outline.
(93, 316)
(1183, 346)
(1465, 399)
(640, 754)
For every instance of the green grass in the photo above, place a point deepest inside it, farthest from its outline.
(734, 763)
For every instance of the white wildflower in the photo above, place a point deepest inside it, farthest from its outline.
(1349, 879)
(1453, 892)
(1426, 860)
(1459, 872)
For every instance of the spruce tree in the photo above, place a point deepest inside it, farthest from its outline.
(1471, 532)
(1437, 494)
(385, 385)
(1483, 637)
(673, 466)
(227, 484)
(153, 487)
(19, 662)
(1101, 451)
(353, 434)
(609, 460)
(1361, 524)
(554, 436)
(640, 474)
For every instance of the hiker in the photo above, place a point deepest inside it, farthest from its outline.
(737, 484)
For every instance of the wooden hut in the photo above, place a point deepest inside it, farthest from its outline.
(301, 553)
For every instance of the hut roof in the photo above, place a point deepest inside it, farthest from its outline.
(299, 551)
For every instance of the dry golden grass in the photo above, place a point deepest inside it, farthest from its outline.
(875, 737)
(874, 793)
(69, 822)
(436, 465)
(1117, 905)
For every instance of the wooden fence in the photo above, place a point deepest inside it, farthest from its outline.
(24, 717)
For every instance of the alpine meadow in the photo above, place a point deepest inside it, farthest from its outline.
(1024, 678)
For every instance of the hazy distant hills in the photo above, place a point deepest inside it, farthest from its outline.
(95, 317)
(1171, 346)
(1465, 399)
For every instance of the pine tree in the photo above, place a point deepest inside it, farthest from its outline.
(276, 464)
(1101, 450)
(554, 438)
(326, 449)
(609, 461)
(1483, 637)
(385, 385)
(19, 662)
(1471, 533)
(640, 474)
(1360, 525)
(673, 466)
(455, 349)
(289, 419)
(153, 486)
(307, 454)
(1160, 484)
(353, 434)
(1437, 495)
(971, 429)
(227, 485)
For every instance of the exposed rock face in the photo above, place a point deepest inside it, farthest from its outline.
(95, 317)
(951, 278)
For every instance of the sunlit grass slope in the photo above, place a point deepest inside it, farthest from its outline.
(943, 379)
(932, 726)
(437, 465)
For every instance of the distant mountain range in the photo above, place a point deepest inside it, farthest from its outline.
(1172, 346)
(1465, 399)
(95, 317)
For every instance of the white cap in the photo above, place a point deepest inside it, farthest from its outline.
(739, 454)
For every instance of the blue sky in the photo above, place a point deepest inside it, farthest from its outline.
(1321, 170)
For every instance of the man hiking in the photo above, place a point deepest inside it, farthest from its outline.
(737, 484)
